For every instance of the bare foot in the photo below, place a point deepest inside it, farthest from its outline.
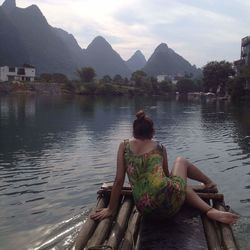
(221, 216)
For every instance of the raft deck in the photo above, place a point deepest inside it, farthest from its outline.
(128, 230)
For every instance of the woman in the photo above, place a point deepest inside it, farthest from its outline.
(146, 164)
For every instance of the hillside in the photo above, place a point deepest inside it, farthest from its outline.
(166, 61)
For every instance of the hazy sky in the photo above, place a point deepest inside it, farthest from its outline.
(199, 30)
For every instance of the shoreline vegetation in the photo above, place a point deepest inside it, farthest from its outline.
(219, 82)
(102, 89)
(75, 88)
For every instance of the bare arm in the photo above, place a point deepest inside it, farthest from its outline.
(165, 162)
(116, 189)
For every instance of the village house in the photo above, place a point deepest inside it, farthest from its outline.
(244, 58)
(169, 78)
(162, 78)
(245, 50)
(24, 73)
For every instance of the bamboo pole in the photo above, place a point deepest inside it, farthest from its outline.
(101, 231)
(130, 238)
(88, 227)
(210, 233)
(226, 231)
(197, 188)
(92, 234)
(213, 241)
(218, 232)
(213, 196)
(120, 224)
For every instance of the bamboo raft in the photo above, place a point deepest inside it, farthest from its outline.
(128, 230)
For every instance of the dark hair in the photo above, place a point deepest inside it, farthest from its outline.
(143, 126)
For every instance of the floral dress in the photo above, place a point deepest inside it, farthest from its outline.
(151, 189)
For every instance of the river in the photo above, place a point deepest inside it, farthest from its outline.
(55, 152)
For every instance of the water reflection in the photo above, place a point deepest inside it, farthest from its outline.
(55, 152)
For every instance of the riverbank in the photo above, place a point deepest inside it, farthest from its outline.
(106, 89)
(77, 88)
(31, 88)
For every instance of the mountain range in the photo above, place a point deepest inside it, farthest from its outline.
(27, 38)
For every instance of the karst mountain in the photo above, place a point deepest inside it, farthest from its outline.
(27, 38)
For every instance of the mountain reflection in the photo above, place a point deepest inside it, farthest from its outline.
(29, 123)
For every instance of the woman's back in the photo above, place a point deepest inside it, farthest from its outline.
(139, 147)
(151, 187)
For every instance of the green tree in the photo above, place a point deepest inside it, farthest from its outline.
(236, 88)
(185, 85)
(126, 81)
(217, 74)
(46, 77)
(198, 83)
(59, 78)
(138, 74)
(244, 73)
(106, 79)
(139, 77)
(86, 74)
(166, 86)
(117, 79)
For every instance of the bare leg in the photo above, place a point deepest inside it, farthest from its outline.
(184, 169)
(192, 172)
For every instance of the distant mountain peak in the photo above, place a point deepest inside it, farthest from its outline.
(104, 59)
(138, 53)
(35, 9)
(100, 43)
(163, 47)
(34, 6)
(137, 61)
(99, 39)
(166, 60)
(9, 4)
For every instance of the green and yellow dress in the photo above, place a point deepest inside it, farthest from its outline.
(151, 188)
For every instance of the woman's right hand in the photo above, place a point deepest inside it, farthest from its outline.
(210, 185)
(101, 214)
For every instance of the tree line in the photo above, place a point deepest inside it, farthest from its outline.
(219, 77)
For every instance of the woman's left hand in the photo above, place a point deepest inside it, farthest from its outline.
(101, 214)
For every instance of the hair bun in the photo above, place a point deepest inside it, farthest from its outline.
(140, 115)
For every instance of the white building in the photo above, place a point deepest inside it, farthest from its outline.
(162, 78)
(25, 73)
(169, 78)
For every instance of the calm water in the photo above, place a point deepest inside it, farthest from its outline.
(55, 153)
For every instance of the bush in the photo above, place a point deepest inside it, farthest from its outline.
(108, 89)
(236, 88)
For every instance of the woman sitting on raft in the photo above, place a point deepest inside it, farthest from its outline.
(146, 164)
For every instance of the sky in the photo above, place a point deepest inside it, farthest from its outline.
(199, 30)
